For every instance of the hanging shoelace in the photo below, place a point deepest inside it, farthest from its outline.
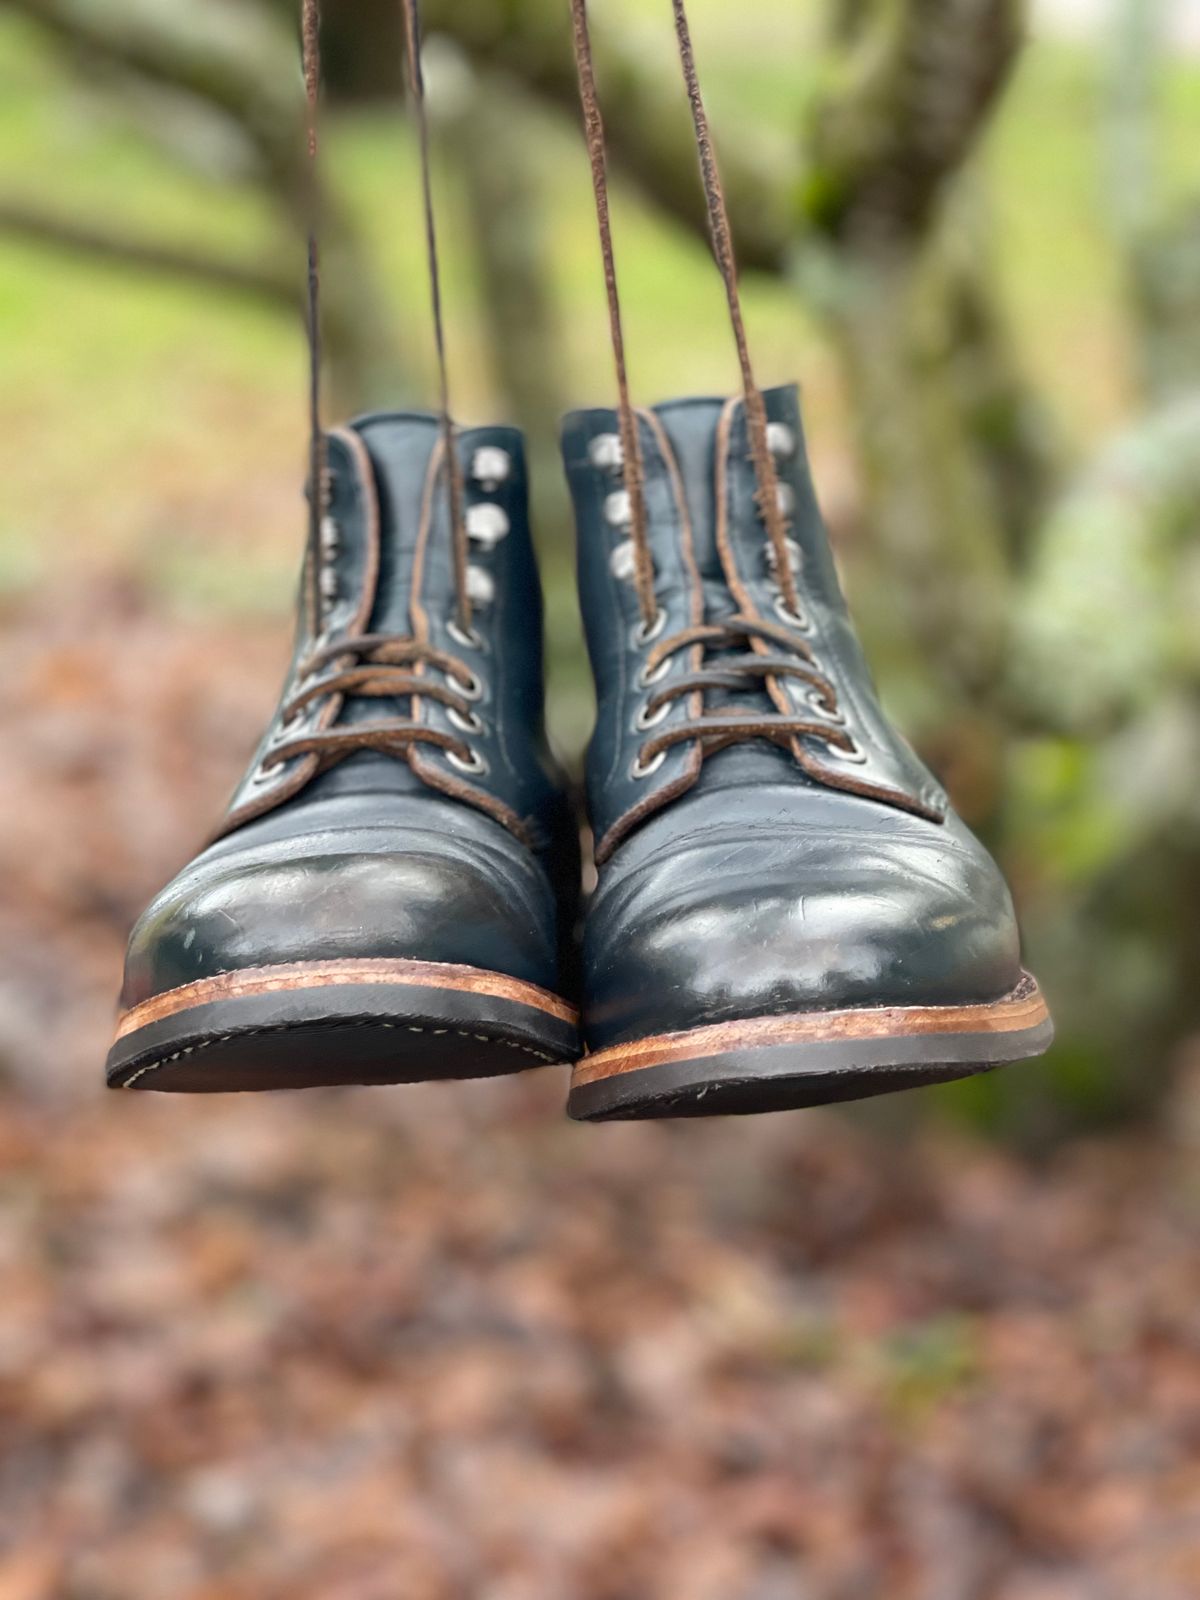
(631, 448)
(416, 86)
(381, 666)
(310, 23)
(753, 652)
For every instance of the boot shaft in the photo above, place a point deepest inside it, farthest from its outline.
(713, 561)
(385, 569)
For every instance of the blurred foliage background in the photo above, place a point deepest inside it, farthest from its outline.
(438, 1343)
(982, 258)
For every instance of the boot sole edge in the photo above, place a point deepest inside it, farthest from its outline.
(808, 1058)
(321, 1024)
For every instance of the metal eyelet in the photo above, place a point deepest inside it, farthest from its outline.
(814, 700)
(606, 452)
(794, 553)
(263, 774)
(288, 730)
(647, 677)
(487, 523)
(481, 586)
(623, 563)
(647, 719)
(785, 498)
(643, 769)
(781, 440)
(476, 766)
(794, 619)
(470, 722)
(856, 756)
(470, 687)
(469, 638)
(328, 486)
(329, 584)
(490, 467)
(646, 632)
(618, 509)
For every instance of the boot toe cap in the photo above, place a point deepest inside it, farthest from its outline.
(813, 903)
(447, 887)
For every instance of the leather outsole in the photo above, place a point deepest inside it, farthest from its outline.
(807, 1059)
(313, 1024)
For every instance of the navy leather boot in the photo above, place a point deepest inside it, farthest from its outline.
(787, 911)
(391, 893)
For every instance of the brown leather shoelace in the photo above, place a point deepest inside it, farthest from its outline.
(753, 668)
(788, 657)
(378, 665)
(310, 33)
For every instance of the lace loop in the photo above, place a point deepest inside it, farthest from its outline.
(715, 732)
(746, 670)
(378, 666)
(387, 738)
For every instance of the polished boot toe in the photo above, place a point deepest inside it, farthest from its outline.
(807, 906)
(407, 880)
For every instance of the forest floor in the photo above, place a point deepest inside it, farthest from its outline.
(437, 1344)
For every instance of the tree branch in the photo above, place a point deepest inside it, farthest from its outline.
(259, 280)
(228, 57)
(904, 111)
(645, 116)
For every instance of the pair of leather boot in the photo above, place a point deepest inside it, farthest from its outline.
(788, 912)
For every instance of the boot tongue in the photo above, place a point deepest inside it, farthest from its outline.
(693, 428)
(399, 447)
